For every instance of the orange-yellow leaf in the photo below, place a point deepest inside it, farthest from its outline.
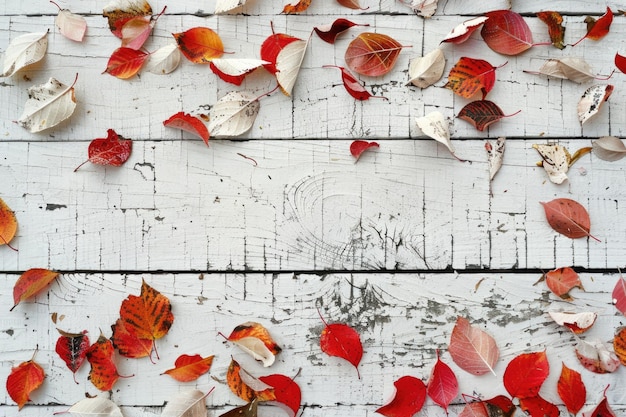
(255, 340)
(372, 54)
(297, 6)
(103, 374)
(561, 281)
(8, 224)
(247, 387)
(127, 343)
(556, 30)
(190, 367)
(619, 344)
(24, 379)
(200, 45)
(31, 283)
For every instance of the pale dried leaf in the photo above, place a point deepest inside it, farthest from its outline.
(460, 31)
(95, 407)
(434, 125)
(257, 349)
(576, 69)
(596, 357)
(556, 161)
(472, 349)
(223, 6)
(495, 155)
(237, 66)
(577, 322)
(591, 101)
(71, 25)
(23, 51)
(186, 404)
(552, 68)
(427, 70)
(424, 8)
(288, 64)
(233, 114)
(253, 382)
(47, 106)
(164, 60)
(609, 148)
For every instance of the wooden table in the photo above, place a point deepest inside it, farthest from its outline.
(282, 222)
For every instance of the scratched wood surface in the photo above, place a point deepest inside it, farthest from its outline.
(283, 222)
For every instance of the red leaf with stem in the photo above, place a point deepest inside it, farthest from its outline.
(482, 113)
(113, 150)
(408, 400)
(352, 85)
(23, 380)
(188, 368)
(359, 146)
(124, 62)
(188, 123)
(571, 389)
(330, 32)
(127, 343)
(597, 29)
(525, 374)
(603, 409)
(442, 386)
(200, 44)
(341, 340)
(287, 392)
(561, 281)
(271, 47)
(72, 348)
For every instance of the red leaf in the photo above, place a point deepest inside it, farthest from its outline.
(462, 32)
(72, 348)
(31, 283)
(188, 123)
(125, 62)
(127, 343)
(329, 33)
(103, 374)
(482, 113)
(506, 32)
(352, 85)
(620, 62)
(442, 386)
(359, 146)
(619, 295)
(372, 54)
(118, 13)
(597, 29)
(113, 150)
(343, 341)
(568, 218)
(525, 374)
(408, 400)
(199, 45)
(538, 407)
(472, 349)
(297, 6)
(23, 380)
(571, 389)
(556, 30)
(287, 392)
(271, 47)
(561, 281)
(500, 406)
(470, 75)
(474, 409)
(190, 367)
(601, 410)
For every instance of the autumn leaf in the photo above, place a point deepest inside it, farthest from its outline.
(619, 295)
(234, 71)
(474, 409)
(556, 30)
(556, 161)
(247, 410)
(72, 348)
(500, 405)
(255, 340)
(603, 409)
(525, 374)
(190, 367)
(341, 340)
(620, 62)
(200, 44)
(568, 218)
(424, 8)
(233, 114)
(223, 6)
(103, 374)
(113, 150)
(357, 147)
(352, 85)
(48, 105)
(470, 75)
(288, 63)
(576, 322)
(591, 101)
(188, 403)
(463, 31)
(539, 407)
(164, 60)
(8, 225)
(351, 4)
(427, 70)
(408, 400)
(118, 12)
(188, 123)
(506, 32)
(31, 283)
(127, 343)
(472, 349)
(619, 344)
(136, 31)
(23, 380)
(495, 156)
(125, 63)
(271, 47)
(609, 148)
(287, 392)
(561, 281)
(571, 389)
(482, 113)
(442, 386)
(247, 387)
(372, 54)
(71, 25)
(597, 29)
(96, 407)
(596, 357)
(329, 33)
(23, 51)
(296, 6)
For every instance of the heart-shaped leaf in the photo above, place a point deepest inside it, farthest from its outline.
(482, 113)
(408, 400)
(72, 348)
(568, 217)
(357, 147)
(506, 32)
(472, 349)
(113, 150)
(372, 54)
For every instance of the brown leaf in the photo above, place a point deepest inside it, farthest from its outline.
(482, 113)
(372, 54)
(556, 30)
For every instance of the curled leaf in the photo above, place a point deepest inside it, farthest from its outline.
(568, 68)
(329, 33)
(576, 322)
(288, 63)
(427, 70)
(561, 281)
(463, 31)
(23, 51)
(619, 344)
(556, 30)
(188, 123)
(235, 70)
(408, 400)
(424, 8)
(350, 4)
(48, 105)
(609, 148)
(435, 126)
(620, 62)
(619, 295)
(568, 217)
(246, 386)
(296, 6)
(255, 340)
(188, 403)
(591, 101)
(223, 6)
(353, 86)
(287, 392)
(495, 156)
(603, 409)
(31, 283)
(372, 54)
(597, 29)
(482, 113)
(357, 147)
(136, 31)
(596, 357)
(118, 12)
(556, 161)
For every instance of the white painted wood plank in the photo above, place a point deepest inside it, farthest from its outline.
(402, 319)
(178, 205)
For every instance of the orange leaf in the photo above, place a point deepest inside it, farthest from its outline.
(556, 30)
(103, 374)
(568, 218)
(561, 280)
(200, 45)
(247, 387)
(31, 283)
(255, 340)
(571, 389)
(351, 4)
(124, 62)
(482, 113)
(297, 6)
(8, 224)
(506, 32)
(127, 343)
(470, 75)
(189, 367)
(597, 29)
(120, 12)
(619, 344)
(24, 379)
(372, 54)
(190, 124)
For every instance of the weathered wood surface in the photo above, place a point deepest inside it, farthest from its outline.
(402, 319)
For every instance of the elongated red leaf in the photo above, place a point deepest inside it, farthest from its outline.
(442, 386)
(506, 32)
(408, 400)
(188, 123)
(470, 75)
(23, 380)
(359, 146)
(72, 348)
(124, 62)
(619, 295)
(597, 29)
(568, 218)
(330, 32)
(556, 30)
(287, 392)
(571, 389)
(561, 281)
(200, 44)
(472, 349)
(538, 407)
(113, 150)
(482, 113)
(372, 54)
(341, 340)
(189, 367)
(31, 283)
(525, 374)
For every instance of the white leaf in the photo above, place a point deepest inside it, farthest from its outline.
(252, 381)
(576, 322)
(233, 114)
(186, 404)
(596, 357)
(95, 407)
(71, 25)
(257, 349)
(424, 8)
(237, 66)
(461, 30)
(495, 155)
(556, 161)
(223, 6)
(592, 100)
(164, 60)
(427, 70)
(609, 148)
(576, 69)
(434, 125)
(288, 62)
(47, 105)
(23, 51)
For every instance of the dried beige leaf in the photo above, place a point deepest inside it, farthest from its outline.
(576, 322)
(461, 32)
(23, 51)
(71, 25)
(576, 69)
(495, 155)
(164, 60)
(95, 407)
(556, 161)
(288, 62)
(233, 114)
(609, 148)
(591, 101)
(48, 105)
(237, 66)
(190, 403)
(427, 70)
(434, 125)
(223, 6)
